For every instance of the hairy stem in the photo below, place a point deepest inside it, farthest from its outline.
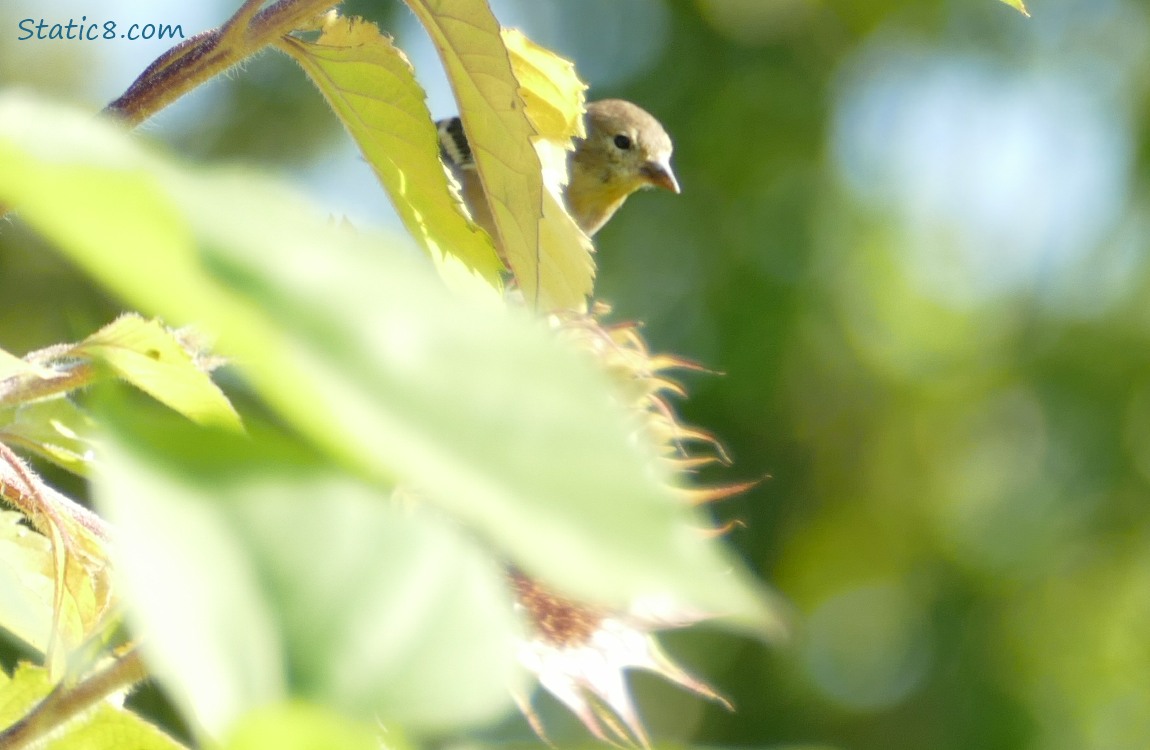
(40, 504)
(66, 702)
(22, 389)
(204, 56)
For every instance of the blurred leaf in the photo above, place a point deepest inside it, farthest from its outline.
(360, 349)
(372, 89)
(190, 584)
(103, 727)
(397, 614)
(1019, 6)
(301, 726)
(333, 591)
(468, 38)
(148, 356)
(594, 745)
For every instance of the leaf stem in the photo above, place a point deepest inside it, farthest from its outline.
(22, 388)
(206, 55)
(39, 503)
(66, 702)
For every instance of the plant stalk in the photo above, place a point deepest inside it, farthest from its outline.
(206, 55)
(66, 702)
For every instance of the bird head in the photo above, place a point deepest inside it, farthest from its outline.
(625, 149)
(626, 146)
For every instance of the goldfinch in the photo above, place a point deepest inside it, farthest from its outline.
(626, 149)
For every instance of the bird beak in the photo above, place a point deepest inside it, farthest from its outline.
(659, 174)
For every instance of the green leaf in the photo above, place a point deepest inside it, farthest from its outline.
(22, 382)
(361, 349)
(103, 727)
(20, 692)
(372, 89)
(54, 429)
(25, 582)
(333, 591)
(553, 101)
(301, 726)
(1019, 6)
(552, 92)
(189, 582)
(13, 366)
(468, 39)
(148, 356)
(75, 563)
(107, 727)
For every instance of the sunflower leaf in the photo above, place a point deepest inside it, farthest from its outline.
(371, 87)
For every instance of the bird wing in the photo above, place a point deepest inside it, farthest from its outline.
(453, 146)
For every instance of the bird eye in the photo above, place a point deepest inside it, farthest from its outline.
(622, 142)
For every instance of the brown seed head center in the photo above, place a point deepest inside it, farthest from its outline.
(560, 621)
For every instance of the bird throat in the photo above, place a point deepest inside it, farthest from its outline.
(592, 201)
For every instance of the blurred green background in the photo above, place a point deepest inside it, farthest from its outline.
(912, 237)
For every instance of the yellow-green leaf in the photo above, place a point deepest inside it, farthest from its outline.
(566, 252)
(1019, 6)
(551, 89)
(372, 89)
(75, 562)
(21, 691)
(149, 357)
(108, 727)
(11, 366)
(25, 583)
(469, 42)
(553, 95)
(302, 726)
(16, 377)
(82, 588)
